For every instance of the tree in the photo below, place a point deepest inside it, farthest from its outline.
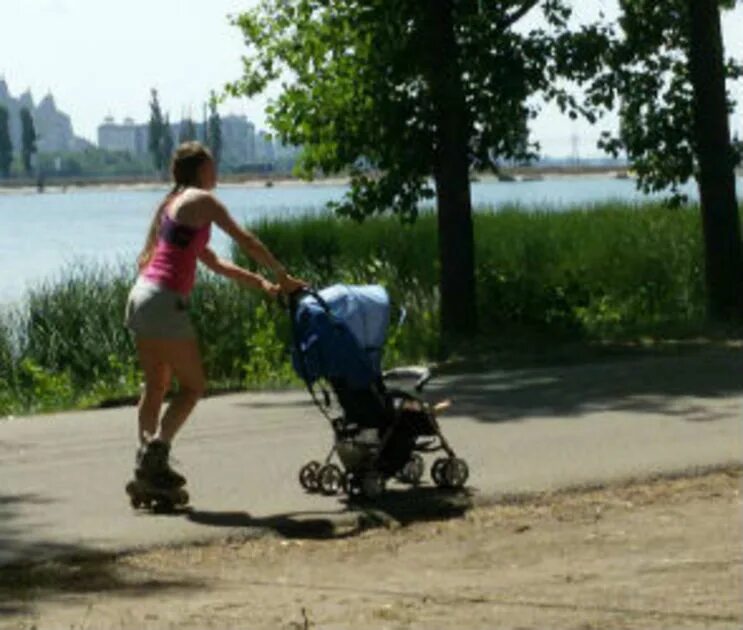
(157, 133)
(717, 159)
(417, 90)
(204, 126)
(186, 130)
(668, 73)
(28, 139)
(166, 142)
(6, 146)
(214, 130)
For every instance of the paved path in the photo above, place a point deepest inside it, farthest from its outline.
(62, 476)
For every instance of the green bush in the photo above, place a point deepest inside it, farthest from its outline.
(268, 359)
(605, 271)
(76, 323)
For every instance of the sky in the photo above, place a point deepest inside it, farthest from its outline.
(102, 57)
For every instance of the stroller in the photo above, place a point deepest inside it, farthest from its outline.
(379, 431)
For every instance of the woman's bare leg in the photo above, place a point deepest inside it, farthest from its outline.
(184, 359)
(157, 376)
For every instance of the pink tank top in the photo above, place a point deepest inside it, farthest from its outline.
(173, 263)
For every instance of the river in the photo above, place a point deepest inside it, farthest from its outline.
(43, 234)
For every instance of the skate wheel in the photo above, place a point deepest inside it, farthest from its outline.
(163, 506)
(308, 476)
(330, 479)
(182, 497)
(412, 471)
(134, 499)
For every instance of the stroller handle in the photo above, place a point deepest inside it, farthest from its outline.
(295, 296)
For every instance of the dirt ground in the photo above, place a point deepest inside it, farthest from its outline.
(658, 554)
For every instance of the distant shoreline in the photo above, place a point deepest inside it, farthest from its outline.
(61, 185)
(516, 174)
(56, 186)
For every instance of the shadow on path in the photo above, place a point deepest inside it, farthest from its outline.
(403, 507)
(46, 569)
(652, 382)
(648, 385)
(14, 541)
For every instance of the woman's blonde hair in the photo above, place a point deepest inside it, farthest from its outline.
(184, 169)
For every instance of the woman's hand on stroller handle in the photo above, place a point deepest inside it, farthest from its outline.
(290, 284)
(273, 290)
(290, 299)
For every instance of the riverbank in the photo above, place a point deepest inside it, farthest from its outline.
(69, 184)
(57, 186)
(263, 180)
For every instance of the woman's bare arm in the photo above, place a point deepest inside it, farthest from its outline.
(247, 241)
(250, 244)
(234, 272)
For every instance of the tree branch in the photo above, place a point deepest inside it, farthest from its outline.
(514, 17)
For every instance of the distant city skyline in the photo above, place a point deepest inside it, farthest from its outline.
(241, 143)
(101, 58)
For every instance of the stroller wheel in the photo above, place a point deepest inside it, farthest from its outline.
(412, 471)
(330, 479)
(454, 473)
(437, 471)
(308, 476)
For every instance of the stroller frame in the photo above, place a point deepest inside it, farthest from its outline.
(363, 471)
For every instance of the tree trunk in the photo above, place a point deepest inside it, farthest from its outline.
(716, 178)
(451, 174)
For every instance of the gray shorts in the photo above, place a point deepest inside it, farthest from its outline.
(153, 311)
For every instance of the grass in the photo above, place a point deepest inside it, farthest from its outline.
(545, 279)
(599, 271)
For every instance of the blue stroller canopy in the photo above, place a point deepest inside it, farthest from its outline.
(364, 309)
(341, 335)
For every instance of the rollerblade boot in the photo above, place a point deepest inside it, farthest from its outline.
(153, 465)
(156, 486)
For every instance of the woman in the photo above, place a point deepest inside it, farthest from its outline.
(156, 310)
